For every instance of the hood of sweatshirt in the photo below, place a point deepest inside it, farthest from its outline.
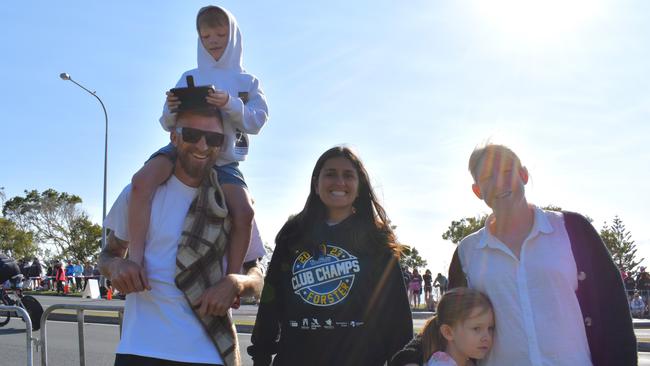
(232, 55)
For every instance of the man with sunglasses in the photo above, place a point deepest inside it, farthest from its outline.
(160, 326)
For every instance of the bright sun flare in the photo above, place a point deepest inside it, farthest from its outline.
(536, 22)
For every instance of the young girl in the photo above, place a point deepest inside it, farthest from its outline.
(461, 330)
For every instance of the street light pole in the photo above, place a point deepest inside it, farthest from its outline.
(65, 76)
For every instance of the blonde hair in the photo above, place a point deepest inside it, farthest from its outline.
(455, 306)
(487, 152)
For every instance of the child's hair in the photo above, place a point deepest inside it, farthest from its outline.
(488, 152)
(211, 16)
(455, 306)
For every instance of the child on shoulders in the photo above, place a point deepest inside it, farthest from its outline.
(243, 107)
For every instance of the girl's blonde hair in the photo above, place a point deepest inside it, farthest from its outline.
(455, 306)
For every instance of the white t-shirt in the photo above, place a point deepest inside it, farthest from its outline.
(160, 323)
(538, 317)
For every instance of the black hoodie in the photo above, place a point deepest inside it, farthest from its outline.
(335, 307)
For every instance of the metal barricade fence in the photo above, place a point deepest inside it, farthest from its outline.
(28, 331)
(80, 323)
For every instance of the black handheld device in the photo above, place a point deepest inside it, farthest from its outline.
(192, 97)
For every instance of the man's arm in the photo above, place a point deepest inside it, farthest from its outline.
(114, 250)
(125, 275)
(251, 283)
(217, 299)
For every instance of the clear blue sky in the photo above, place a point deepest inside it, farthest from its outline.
(413, 85)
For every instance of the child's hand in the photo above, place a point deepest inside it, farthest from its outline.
(216, 300)
(217, 98)
(237, 303)
(172, 102)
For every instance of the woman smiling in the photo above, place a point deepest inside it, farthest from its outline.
(334, 293)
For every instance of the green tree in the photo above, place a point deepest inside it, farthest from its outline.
(620, 244)
(86, 241)
(15, 242)
(463, 227)
(410, 257)
(468, 225)
(55, 219)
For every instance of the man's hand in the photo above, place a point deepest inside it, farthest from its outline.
(218, 98)
(217, 299)
(127, 276)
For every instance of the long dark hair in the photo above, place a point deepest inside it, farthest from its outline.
(372, 230)
(455, 306)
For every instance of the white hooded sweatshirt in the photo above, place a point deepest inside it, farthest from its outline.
(246, 110)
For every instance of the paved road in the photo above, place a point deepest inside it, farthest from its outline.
(101, 339)
(63, 346)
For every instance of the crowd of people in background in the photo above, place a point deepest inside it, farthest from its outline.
(56, 275)
(417, 285)
(637, 287)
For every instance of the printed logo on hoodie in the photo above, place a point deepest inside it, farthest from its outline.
(327, 280)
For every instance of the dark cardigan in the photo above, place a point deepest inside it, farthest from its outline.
(600, 293)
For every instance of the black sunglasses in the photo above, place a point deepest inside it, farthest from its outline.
(193, 135)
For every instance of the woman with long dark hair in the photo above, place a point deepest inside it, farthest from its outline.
(334, 293)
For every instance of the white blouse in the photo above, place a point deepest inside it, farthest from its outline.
(538, 318)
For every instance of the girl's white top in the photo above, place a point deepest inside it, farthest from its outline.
(441, 358)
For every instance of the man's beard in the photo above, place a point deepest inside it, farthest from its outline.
(193, 167)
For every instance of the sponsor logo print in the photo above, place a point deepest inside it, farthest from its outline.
(328, 324)
(327, 280)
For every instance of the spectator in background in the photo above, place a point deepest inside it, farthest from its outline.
(415, 288)
(35, 273)
(48, 283)
(643, 283)
(60, 278)
(78, 272)
(637, 306)
(88, 273)
(442, 283)
(69, 273)
(24, 266)
(8, 269)
(630, 284)
(428, 288)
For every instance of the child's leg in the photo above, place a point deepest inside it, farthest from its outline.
(241, 213)
(143, 186)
